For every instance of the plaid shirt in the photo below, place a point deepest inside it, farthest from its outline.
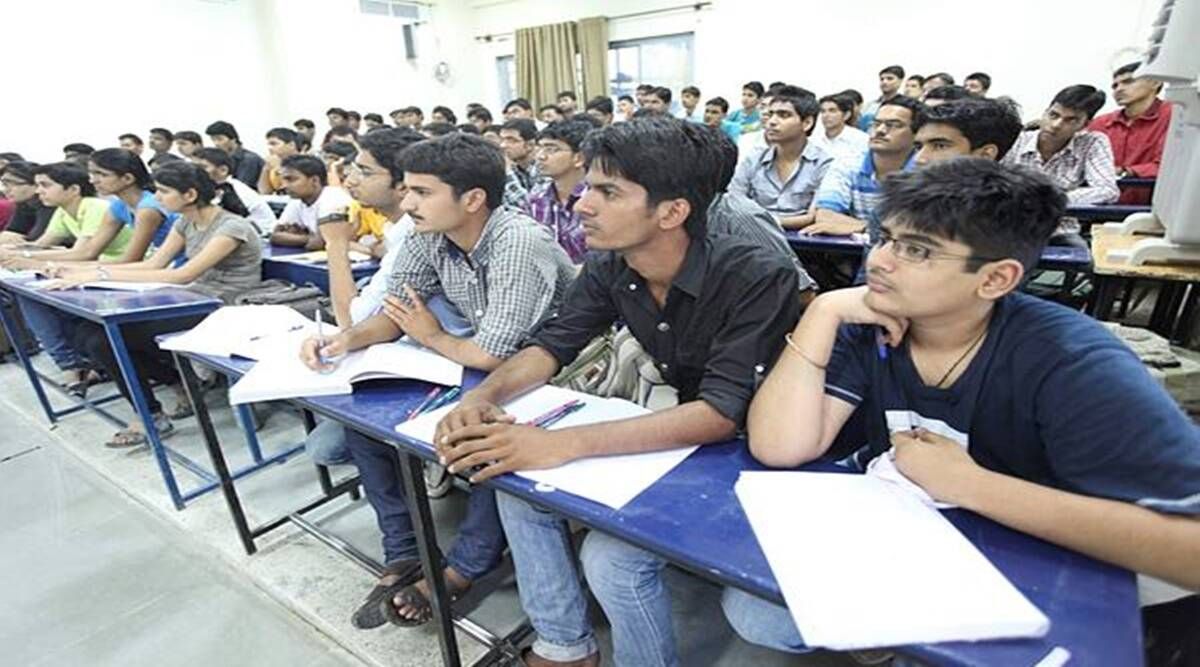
(516, 195)
(546, 208)
(734, 215)
(1083, 168)
(512, 279)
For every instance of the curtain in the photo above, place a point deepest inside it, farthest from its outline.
(593, 51)
(545, 62)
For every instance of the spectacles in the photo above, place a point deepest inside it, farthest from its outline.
(916, 253)
(891, 125)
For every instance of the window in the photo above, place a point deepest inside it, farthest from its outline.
(506, 73)
(661, 61)
(395, 8)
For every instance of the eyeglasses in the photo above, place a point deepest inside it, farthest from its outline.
(916, 253)
(891, 125)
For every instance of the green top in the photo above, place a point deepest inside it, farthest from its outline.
(86, 222)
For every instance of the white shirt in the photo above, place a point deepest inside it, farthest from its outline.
(851, 141)
(260, 211)
(331, 200)
(751, 143)
(696, 116)
(370, 298)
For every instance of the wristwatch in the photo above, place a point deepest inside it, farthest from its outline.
(103, 273)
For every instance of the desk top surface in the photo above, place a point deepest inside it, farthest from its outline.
(1102, 243)
(693, 517)
(100, 304)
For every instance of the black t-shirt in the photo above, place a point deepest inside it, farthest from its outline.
(30, 219)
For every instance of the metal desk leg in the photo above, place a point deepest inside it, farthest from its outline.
(196, 395)
(413, 477)
(1105, 294)
(129, 375)
(18, 344)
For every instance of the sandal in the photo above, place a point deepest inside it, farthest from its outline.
(129, 437)
(181, 410)
(368, 614)
(411, 596)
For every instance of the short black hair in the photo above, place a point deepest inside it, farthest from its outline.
(163, 132)
(854, 95)
(895, 70)
(998, 211)
(518, 102)
(843, 103)
(469, 128)
(341, 131)
(911, 103)
(664, 156)
(601, 103)
(625, 98)
(755, 87)
(1128, 68)
(373, 116)
(719, 102)
(415, 110)
(353, 115)
(943, 76)
(439, 129)
(645, 87)
(983, 78)
(552, 107)
(690, 90)
(335, 111)
(188, 135)
(216, 157)
(67, 174)
(396, 112)
(523, 126)
(446, 113)
(122, 162)
(480, 114)
(223, 129)
(802, 102)
(385, 146)
(11, 157)
(309, 165)
(1082, 97)
(305, 123)
(463, 161)
(570, 132)
(132, 137)
(570, 94)
(663, 93)
(647, 112)
(918, 78)
(285, 134)
(20, 169)
(982, 122)
(82, 149)
(948, 93)
(341, 149)
(492, 129)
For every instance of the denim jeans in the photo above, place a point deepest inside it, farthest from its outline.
(480, 541)
(326, 444)
(53, 329)
(761, 622)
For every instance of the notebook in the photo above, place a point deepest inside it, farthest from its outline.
(320, 257)
(253, 332)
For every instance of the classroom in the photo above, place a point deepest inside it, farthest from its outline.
(636, 333)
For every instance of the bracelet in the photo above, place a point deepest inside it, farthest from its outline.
(103, 273)
(787, 338)
(26, 254)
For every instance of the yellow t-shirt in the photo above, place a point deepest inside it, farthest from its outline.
(368, 220)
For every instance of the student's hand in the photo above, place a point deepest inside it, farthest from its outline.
(937, 464)
(415, 319)
(502, 448)
(837, 228)
(72, 279)
(321, 354)
(468, 412)
(337, 232)
(850, 307)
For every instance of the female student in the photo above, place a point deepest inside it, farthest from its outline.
(224, 258)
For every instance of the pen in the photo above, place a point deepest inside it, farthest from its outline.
(429, 398)
(444, 399)
(320, 337)
(262, 336)
(555, 415)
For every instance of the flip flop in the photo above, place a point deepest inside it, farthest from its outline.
(411, 596)
(369, 615)
(181, 410)
(127, 438)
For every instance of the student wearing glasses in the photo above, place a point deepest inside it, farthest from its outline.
(552, 203)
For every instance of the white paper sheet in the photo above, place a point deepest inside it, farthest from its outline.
(123, 286)
(863, 564)
(287, 377)
(250, 331)
(609, 480)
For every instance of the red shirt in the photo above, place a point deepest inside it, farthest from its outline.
(7, 208)
(1137, 144)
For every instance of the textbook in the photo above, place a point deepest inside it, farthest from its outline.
(319, 257)
(610, 480)
(285, 375)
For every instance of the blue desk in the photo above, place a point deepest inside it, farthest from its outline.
(1105, 212)
(304, 273)
(692, 518)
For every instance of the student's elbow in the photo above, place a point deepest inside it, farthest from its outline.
(773, 447)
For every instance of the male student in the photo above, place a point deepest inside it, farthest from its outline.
(518, 108)
(890, 80)
(914, 86)
(625, 109)
(188, 142)
(219, 167)
(132, 143)
(689, 110)
(336, 117)
(414, 117)
(372, 121)
(968, 402)
(1137, 131)
(784, 176)
(281, 144)
(936, 81)
(518, 139)
(77, 152)
(715, 111)
(568, 103)
(978, 84)
(1078, 160)
(966, 128)
(552, 203)
(642, 91)
(161, 140)
(600, 108)
(441, 114)
(480, 117)
(943, 94)
(710, 312)
(749, 116)
(849, 195)
(658, 100)
(836, 136)
(504, 273)
(353, 120)
(305, 179)
(247, 165)
(550, 113)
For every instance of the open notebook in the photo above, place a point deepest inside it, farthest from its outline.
(253, 332)
(863, 563)
(609, 480)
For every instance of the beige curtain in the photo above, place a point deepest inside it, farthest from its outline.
(593, 51)
(545, 61)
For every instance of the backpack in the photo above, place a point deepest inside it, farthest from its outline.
(306, 299)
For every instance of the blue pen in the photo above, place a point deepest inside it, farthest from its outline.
(429, 398)
(443, 400)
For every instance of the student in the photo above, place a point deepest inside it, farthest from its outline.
(354, 120)
(224, 259)
(689, 110)
(642, 91)
(336, 117)
(552, 203)
(914, 86)
(518, 108)
(857, 98)
(715, 111)
(966, 128)
(336, 155)
(518, 140)
(397, 116)
(307, 130)
(784, 176)
(373, 120)
(5, 158)
(943, 94)
(344, 134)
(749, 116)
(188, 142)
(936, 81)
(654, 268)
(461, 234)
(836, 137)
(492, 134)
(600, 108)
(247, 165)
(481, 118)
(1137, 131)
(550, 113)
(161, 140)
(281, 143)
(219, 167)
(414, 117)
(30, 216)
(305, 178)
(77, 152)
(625, 109)
(978, 84)
(568, 103)
(973, 358)
(1078, 160)
(849, 195)
(658, 100)
(890, 79)
(436, 129)
(132, 143)
(444, 115)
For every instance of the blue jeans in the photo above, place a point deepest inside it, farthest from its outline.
(53, 330)
(326, 444)
(480, 541)
(761, 622)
